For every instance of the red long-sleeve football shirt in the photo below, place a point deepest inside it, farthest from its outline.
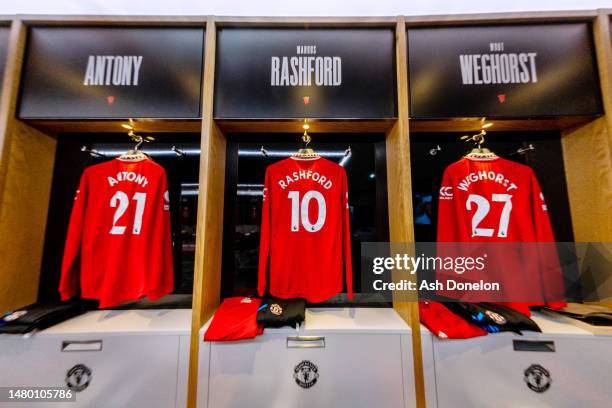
(118, 246)
(492, 201)
(498, 200)
(305, 230)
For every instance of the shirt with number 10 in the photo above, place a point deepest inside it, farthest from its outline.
(305, 233)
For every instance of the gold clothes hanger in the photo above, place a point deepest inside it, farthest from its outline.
(306, 153)
(135, 154)
(479, 152)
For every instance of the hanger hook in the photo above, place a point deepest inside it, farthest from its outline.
(306, 137)
(139, 141)
(479, 138)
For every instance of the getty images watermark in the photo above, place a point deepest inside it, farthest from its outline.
(487, 271)
(415, 264)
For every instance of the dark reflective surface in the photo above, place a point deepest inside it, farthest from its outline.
(164, 84)
(475, 71)
(364, 85)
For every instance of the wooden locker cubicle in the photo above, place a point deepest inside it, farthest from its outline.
(586, 141)
(581, 137)
(28, 152)
(212, 172)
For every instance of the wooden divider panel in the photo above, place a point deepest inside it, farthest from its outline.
(401, 225)
(26, 168)
(209, 230)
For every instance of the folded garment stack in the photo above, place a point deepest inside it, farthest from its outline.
(40, 316)
(243, 318)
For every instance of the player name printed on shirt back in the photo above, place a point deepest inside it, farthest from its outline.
(119, 243)
(500, 201)
(492, 200)
(305, 233)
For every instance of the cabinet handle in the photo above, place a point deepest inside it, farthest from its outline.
(81, 345)
(534, 345)
(305, 342)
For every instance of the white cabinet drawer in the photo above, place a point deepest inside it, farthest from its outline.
(334, 370)
(126, 371)
(494, 371)
(183, 371)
